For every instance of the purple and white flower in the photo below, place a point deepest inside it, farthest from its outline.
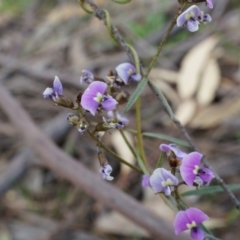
(120, 117)
(55, 92)
(190, 220)
(105, 172)
(192, 17)
(209, 3)
(161, 180)
(86, 77)
(94, 98)
(127, 72)
(168, 148)
(192, 172)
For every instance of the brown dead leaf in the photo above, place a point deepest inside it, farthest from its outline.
(186, 111)
(209, 83)
(216, 114)
(192, 66)
(163, 74)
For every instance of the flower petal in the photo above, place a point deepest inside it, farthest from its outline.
(196, 215)
(109, 103)
(191, 13)
(197, 233)
(172, 147)
(206, 174)
(57, 86)
(207, 18)
(87, 77)
(192, 25)
(180, 222)
(146, 181)
(136, 77)
(87, 99)
(209, 3)
(125, 71)
(48, 92)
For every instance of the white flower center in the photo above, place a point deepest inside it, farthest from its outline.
(130, 72)
(166, 183)
(98, 98)
(191, 225)
(196, 168)
(189, 15)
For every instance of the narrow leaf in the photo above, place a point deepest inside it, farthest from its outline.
(209, 190)
(136, 94)
(167, 138)
(160, 161)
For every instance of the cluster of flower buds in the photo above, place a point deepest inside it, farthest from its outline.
(100, 95)
(192, 174)
(193, 16)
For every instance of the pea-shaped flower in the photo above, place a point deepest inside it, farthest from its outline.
(94, 98)
(86, 77)
(161, 180)
(105, 172)
(191, 171)
(190, 220)
(55, 92)
(168, 148)
(209, 3)
(192, 17)
(127, 72)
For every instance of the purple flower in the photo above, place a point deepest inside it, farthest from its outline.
(161, 180)
(94, 98)
(192, 172)
(54, 92)
(189, 18)
(86, 77)
(120, 117)
(105, 172)
(127, 72)
(209, 3)
(168, 148)
(192, 17)
(190, 219)
(146, 181)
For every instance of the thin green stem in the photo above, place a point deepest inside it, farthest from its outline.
(139, 132)
(113, 153)
(165, 37)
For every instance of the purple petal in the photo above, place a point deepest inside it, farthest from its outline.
(107, 169)
(87, 100)
(180, 222)
(209, 3)
(188, 165)
(197, 233)
(136, 77)
(86, 77)
(207, 18)
(48, 92)
(172, 147)
(191, 13)
(206, 174)
(192, 159)
(196, 215)
(109, 103)
(159, 175)
(125, 71)
(192, 25)
(146, 181)
(167, 191)
(57, 86)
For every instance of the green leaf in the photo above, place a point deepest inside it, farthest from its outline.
(210, 190)
(136, 94)
(167, 138)
(122, 1)
(160, 161)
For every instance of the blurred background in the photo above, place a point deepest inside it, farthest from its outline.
(199, 73)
